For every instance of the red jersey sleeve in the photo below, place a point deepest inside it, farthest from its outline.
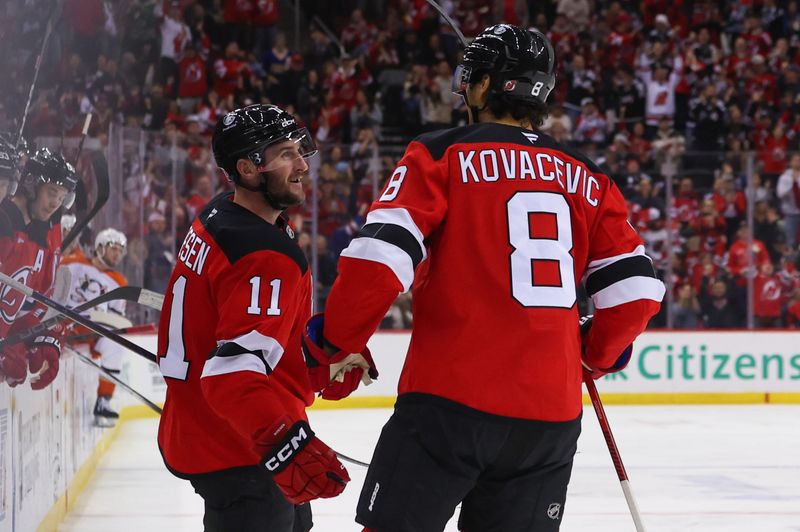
(621, 281)
(261, 297)
(380, 262)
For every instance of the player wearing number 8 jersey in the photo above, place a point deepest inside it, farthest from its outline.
(492, 225)
(234, 420)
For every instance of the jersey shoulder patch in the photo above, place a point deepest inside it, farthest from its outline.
(238, 232)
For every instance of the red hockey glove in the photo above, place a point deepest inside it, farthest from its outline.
(302, 466)
(14, 364)
(335, 375)
(43, 358)
(590, 372)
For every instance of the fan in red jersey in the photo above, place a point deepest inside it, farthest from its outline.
(29, 252)
(234, 421)
(493, 225)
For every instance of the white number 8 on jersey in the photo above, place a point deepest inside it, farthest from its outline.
(527, 250)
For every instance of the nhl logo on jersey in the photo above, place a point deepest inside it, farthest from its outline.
(554, 510)
(228, 119)
(290, 232)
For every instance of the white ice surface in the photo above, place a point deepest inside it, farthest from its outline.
(703, 468)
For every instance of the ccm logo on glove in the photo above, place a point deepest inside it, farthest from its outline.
(299, 436)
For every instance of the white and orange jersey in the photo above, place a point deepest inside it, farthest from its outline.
(89, 282)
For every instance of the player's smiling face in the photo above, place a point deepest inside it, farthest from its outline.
(49, 197)
(286, 168)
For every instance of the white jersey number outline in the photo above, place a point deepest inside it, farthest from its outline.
(174, 363)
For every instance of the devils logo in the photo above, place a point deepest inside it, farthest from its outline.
(11, 300)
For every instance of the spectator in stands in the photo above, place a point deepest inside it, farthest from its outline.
(774, 153)
(591, 126)
(201, 194)
(581, 83)
(769, 297)
(742, 262)
(192, 80)
(230, 71)
(264, 19)
(686, 309)
(788, 192)
(558, 124)
(175, 37)
(718, 308)
(766, 227)
(793, 311)
(160, 259)
(661, 80)
(576, 11)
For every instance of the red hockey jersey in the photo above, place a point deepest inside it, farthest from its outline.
(229, 338)
(495, 226)
(29, 254)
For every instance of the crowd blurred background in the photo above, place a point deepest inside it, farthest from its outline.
(691, 107)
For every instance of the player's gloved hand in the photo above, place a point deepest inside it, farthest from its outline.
(333, 372)
(590, 372)
(14, 364)
(302, 466)
(43, 357)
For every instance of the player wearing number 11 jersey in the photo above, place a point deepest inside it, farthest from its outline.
(492, 226)
(234, 420)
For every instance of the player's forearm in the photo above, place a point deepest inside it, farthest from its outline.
(358, 301)
(247, 401)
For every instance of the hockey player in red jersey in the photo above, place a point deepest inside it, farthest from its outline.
(29, 252)
(493, 224)
(234, 420)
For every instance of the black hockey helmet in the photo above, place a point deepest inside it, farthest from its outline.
(245, 133)
(45, 166)
(9, 171)
(520, 62)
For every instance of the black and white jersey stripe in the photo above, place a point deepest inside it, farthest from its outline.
(390, 237)
(250, 352)
(623, 278)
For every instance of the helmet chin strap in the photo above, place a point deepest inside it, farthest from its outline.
(474, 110)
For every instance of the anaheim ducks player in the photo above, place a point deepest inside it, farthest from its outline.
(93, 278)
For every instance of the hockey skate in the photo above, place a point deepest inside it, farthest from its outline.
(104, 416)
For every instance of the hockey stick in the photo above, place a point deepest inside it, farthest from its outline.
(614, 451)
(129, 293)
(450, 21)
(100, 166)
(76, 317)
(84, 133)
(102, 331)
(147, 328)
(51, 22)
(107, 374)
